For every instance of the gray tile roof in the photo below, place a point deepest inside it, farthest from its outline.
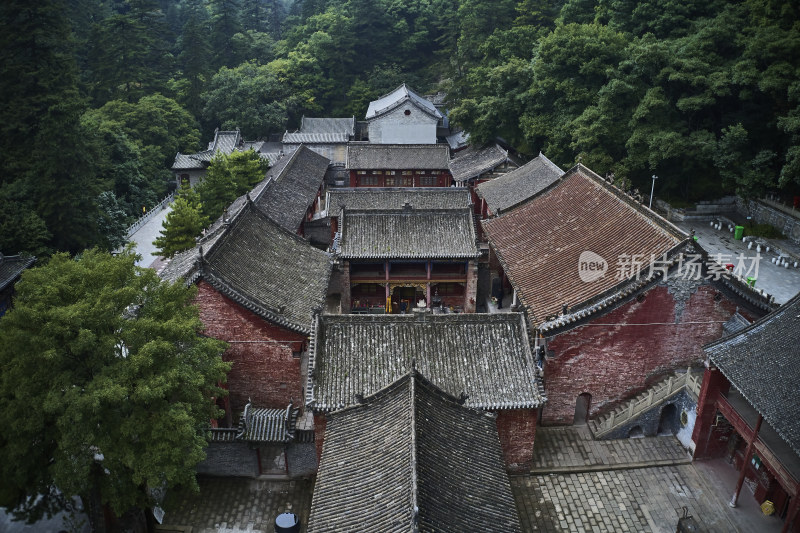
(365, 156)
(407, 233)
(189, 161)
(268, 425)
(471, 163)
(224, 142)
(761, 361)
(260, 265)
(328, 125)
(395, 198)
(290, 190)
(315, 138)
(412, 459)
(458, 140)
(488, 357)
(11, 267)
(735, 323)
(393, 99)
(522, 183)
(260, 425)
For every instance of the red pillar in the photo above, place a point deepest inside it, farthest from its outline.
(429, 267)
(792, 514)
(714, 383)
(747, 454)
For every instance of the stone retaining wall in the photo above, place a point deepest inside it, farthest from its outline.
(762, 213)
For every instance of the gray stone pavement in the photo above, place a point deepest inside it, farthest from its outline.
(635, 485)
(572, 449)
(638, 500)
(232, 505)
(782, 283)
(144, 237)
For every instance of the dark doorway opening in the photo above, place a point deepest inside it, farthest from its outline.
(582, 405)
(668, 423)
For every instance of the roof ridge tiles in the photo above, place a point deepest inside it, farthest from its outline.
(786, 307)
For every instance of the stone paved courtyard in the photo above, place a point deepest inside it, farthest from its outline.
(628, 485)
(639, 485)
(231, 505)
(570, 449)
(637, 500)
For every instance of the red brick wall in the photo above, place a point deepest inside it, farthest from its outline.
(517, 431)
(263, 369)
(613, 363)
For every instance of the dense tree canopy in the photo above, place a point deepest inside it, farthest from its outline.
(183, 224)
(703, 93)
(700, 93)
(228, 177)
(106, 384)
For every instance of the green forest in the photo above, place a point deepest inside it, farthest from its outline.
(98, 96)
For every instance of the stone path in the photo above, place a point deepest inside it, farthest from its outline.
(228, 505)
(572, 449)
(782, 283)
(145, 236)
(638, 500)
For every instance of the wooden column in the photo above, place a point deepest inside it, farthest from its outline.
(747, 454)
(386, 277)
(429, 266)
(792, 514)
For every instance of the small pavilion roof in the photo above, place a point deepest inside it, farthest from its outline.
(472, 162)
(518, 185)
(11, 268)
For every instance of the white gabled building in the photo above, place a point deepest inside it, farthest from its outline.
(402, 117)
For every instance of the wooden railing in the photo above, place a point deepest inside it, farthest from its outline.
(645, 401)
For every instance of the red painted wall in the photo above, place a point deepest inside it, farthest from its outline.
(264, 368)
(320, 422)
(613, 363)
(443, 178)
(517, 431)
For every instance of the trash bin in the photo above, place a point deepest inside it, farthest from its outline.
(738, 233)
(287, 523)
(751, 281)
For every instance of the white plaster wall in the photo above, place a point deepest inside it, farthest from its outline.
(337, 153)
(195, 177)
(398, 128)
(685, 433)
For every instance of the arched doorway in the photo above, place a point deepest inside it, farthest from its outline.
(582, 405)
(668, 423)
(636, 432)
